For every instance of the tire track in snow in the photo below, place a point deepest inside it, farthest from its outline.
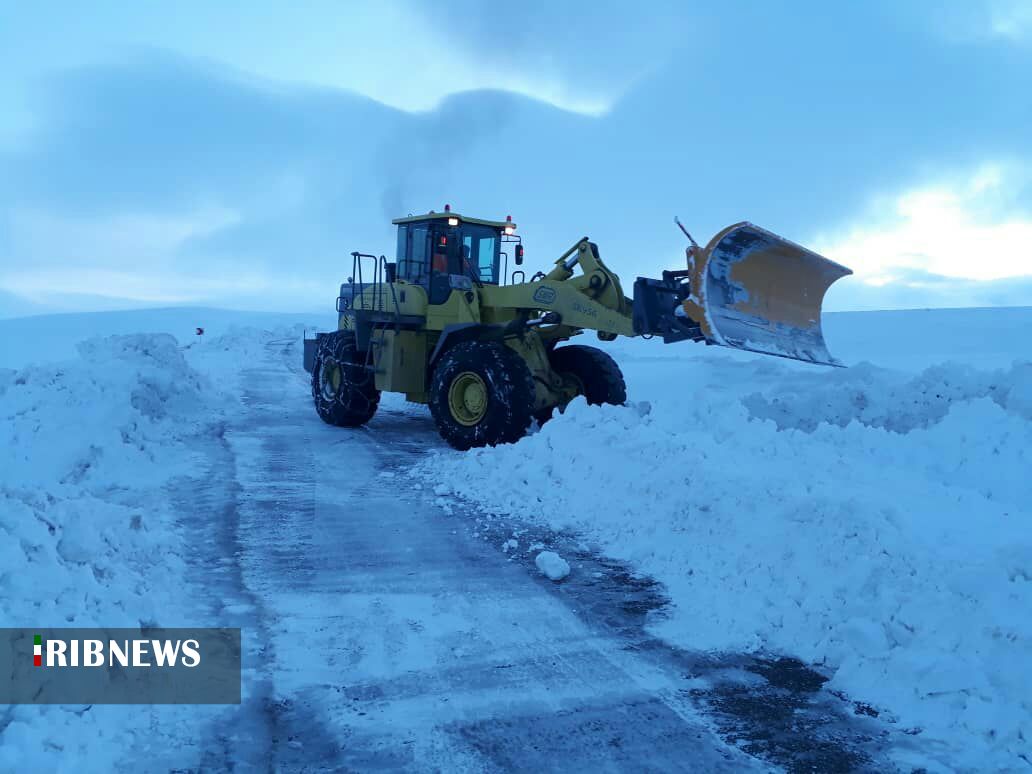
(771, 706)
(405, 643)
(261, 734)
(393, 636)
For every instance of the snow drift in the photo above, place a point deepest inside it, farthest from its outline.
(86, 447)
(875, 522)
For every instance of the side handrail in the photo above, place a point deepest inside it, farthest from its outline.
(394, 295)
(356, 272)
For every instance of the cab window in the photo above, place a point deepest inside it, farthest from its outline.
(480, 247)
(412, 253)
(487, 259)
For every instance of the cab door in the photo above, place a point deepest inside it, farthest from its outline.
(445, 246)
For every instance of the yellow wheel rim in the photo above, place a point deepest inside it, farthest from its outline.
(329, 376)
(571, 379)
(467, 398)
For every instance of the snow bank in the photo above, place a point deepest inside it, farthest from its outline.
(240, 347)
(85, 449)
(877, 523)
(25, 340)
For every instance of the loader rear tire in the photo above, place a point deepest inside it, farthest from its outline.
(342, 388)
(596, 374)
(481, 394)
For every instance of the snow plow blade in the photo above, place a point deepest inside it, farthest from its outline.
(754, 290)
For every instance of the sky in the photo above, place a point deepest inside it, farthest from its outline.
(234, 154)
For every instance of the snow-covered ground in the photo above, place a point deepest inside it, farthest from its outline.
(874, 519)
(915, 339)
(96, 422)
(87, 446)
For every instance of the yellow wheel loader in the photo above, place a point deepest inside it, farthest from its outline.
(446, 324)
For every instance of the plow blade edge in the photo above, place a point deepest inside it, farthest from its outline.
(756, 291)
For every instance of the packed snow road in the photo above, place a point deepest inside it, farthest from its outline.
(386, 632)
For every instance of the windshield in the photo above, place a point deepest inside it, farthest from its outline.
(480, 245)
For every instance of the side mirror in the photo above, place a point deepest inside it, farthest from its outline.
(519, 255)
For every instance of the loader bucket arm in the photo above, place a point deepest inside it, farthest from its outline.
(754, 290)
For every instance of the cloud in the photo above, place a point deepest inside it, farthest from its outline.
(957, 232)
(408, 54)
(168, 180)
(193, 173)
(921, 290)
(1010, 19)
(42, 238)
(983, 22)
(581, 59)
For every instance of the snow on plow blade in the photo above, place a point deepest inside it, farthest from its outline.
(760, 292)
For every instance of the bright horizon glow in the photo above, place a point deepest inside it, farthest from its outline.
(960, 229)
(1011, 19)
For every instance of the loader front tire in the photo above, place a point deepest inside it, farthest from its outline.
(481, 394)
(596, 374)
(342, 388)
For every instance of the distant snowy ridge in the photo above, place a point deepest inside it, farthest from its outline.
(875, 522)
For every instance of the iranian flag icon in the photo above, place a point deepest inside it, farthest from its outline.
(37, 650)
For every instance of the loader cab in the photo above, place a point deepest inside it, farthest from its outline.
(445, 251)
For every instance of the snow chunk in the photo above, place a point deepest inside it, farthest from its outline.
(552, 566)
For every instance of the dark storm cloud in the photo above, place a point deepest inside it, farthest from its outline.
(597, 48)
(159, 130)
